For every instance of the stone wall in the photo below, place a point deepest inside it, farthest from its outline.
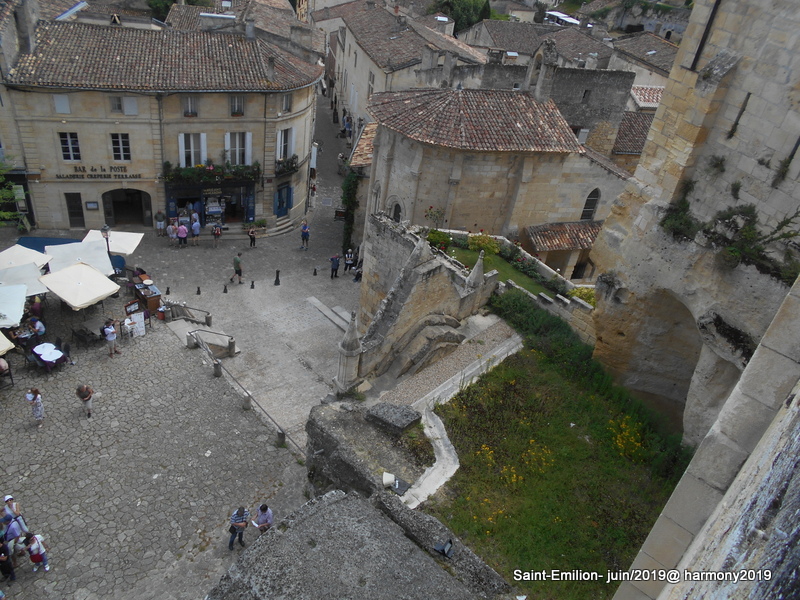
(593, 99)
(407, 288)
(498, 192)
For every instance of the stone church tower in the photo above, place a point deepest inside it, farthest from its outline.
(691, 308)
(679, 317)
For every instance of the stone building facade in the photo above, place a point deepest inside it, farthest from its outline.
(491, 160)
(674, 317)
(93, 133)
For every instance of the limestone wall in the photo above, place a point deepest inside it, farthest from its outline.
(405, 283)
(498, 192)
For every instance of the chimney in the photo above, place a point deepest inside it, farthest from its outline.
(271, 68)
(547, 70)
(250, 28)
(584, 24)
(370, 4)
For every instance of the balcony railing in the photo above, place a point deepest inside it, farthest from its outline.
(286, 166)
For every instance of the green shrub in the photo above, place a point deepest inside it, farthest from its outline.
(438, 239)
(484, 242)
(584, 293)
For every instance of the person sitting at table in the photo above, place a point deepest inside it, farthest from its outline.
(4, 368)
(37, 327)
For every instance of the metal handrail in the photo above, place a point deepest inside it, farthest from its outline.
(282, 435)
(193, 331)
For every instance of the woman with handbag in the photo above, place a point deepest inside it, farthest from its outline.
(37, 549)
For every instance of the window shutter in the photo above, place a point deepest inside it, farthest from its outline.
(248, 148)
(203, 151)
(61, 102)
(291, 142)
(129, 105)
(228, 146)
(181, 150)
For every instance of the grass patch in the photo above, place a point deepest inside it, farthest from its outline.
(560, 469)
(417, 444)
(506, 271)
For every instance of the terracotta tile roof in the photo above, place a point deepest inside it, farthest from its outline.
(632, 132)
(83, 56)
(573, 44)
(6, 11)
(647, 96)
(111, 8)
(362, 153)
(575, 235)
(521, 37)
(272, 16)
(432, 21)
(648, 48)
(604, 162)
(483, 120)
(391, 47)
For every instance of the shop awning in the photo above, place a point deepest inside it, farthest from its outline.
(12, 304)
(79, 285)
(119, 242)
(27, 275)
(21, 255)
(90, 253)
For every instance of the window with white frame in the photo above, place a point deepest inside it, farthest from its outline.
(286, 103)
(70, 149)
(284, 143)
(237, 105)
(238, 147)
(61, 103)
(370, 84)
(116, 104)
(124, 104)
(120, 146)
(190, 106)
(192, 149)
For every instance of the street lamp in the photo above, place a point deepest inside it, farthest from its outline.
(105, 230)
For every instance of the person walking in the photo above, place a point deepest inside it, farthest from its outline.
(305, 233)
(251, 233)
(239, 520)
(161, 220)
(34, 398)
(110, 331)
(11, 537)
(13, 510)
(182, 235)
(237, 267)
(6, 563)
(334, 266)
(172, 233)
(85, 393)
(195, 233)
(264, 518)
(37, 550)
(348, 260)
(216, 233)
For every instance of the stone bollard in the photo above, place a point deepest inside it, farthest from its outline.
(168, 315)
(231, 347)
(190, 341)
(208, 320)
(247, 403)
(217, 369)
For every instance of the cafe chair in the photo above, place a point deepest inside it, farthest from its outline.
(6, 378)
(31, 360)
(81, 337)
(58, 343)
(66, 350)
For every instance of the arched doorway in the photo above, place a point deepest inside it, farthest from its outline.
(127, 207)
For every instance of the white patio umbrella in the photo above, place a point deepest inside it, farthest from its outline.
(90, 253)
(79, 285)
(12, 304)
(27, 275)
(20, 255)
(5, 344)
(119, 242)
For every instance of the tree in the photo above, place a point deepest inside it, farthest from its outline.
(465, 13)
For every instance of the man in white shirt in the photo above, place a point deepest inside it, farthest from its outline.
(110, 331)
